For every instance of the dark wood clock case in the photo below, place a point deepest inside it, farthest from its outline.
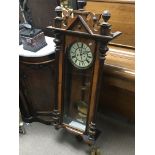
(94, 31)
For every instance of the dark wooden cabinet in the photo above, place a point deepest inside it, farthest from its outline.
(37, 88)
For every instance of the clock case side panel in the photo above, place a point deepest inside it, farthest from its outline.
(101, 49)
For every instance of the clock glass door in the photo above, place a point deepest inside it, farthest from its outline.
(77, 82)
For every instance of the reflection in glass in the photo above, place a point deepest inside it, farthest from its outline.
(76, 95)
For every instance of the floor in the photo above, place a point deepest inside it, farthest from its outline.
(117, 138)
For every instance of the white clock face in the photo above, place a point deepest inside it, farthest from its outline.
(80, 55)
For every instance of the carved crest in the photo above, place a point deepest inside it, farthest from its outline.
(80, 24)
(84, 22)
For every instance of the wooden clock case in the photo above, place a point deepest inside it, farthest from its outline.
(88, 28)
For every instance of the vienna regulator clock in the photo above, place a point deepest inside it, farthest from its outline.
(81, 39)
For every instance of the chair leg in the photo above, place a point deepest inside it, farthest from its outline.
(21, 125)
(22, 130)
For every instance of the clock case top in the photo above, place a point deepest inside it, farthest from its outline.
(70, 27)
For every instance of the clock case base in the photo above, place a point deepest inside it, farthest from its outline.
(81, 136)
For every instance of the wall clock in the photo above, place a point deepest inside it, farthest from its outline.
(81, 39)
(80, 55)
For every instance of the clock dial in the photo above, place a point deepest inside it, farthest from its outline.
(80, 55)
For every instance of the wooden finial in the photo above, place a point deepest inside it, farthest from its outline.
(106, 15)
(58, 18)
(105, 26)
(58, 10)
(81, 4)
(96, 18)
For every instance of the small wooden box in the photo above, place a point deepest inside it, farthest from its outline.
(33, 41)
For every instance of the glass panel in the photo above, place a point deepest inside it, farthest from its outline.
(77, 90)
